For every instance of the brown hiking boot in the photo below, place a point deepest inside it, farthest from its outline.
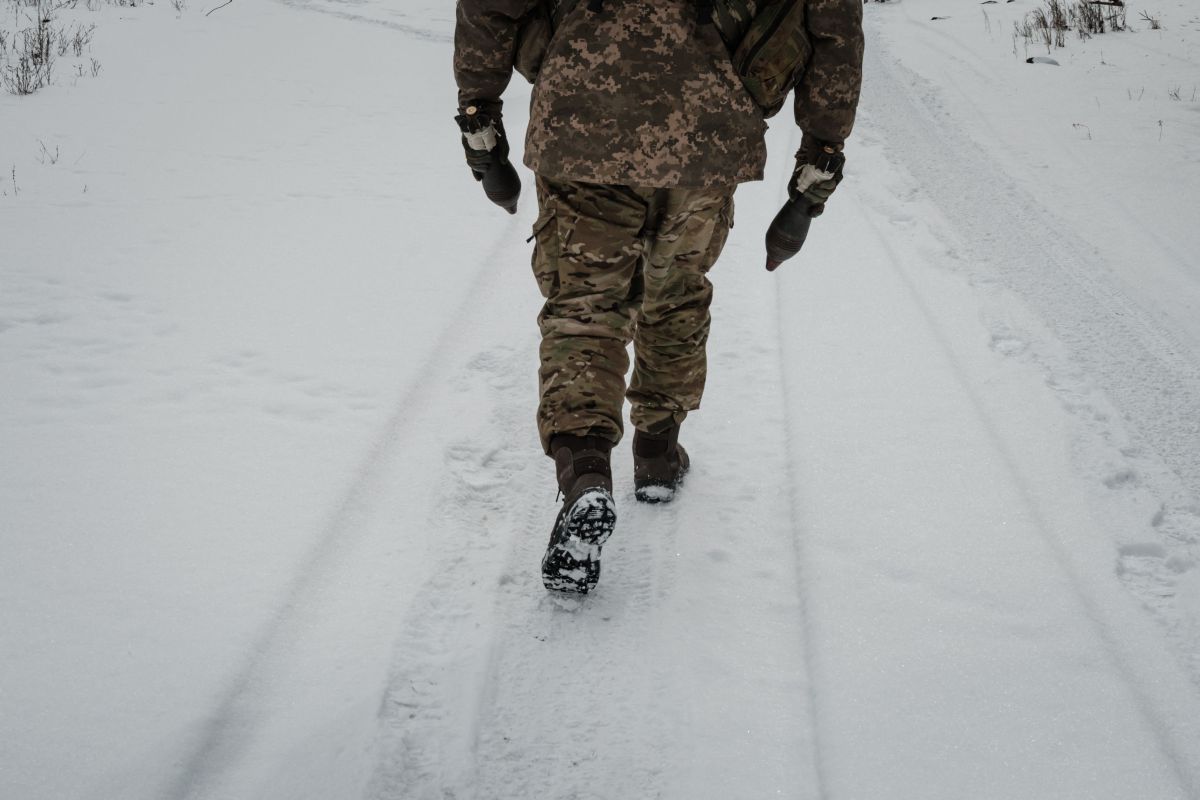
(587, 517)
(659, 464)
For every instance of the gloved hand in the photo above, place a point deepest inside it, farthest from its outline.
(818, 172)
(486, 148)
(483, 138)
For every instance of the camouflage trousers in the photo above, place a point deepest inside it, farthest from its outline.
(620, 264)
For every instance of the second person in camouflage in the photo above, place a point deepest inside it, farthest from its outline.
(640, 131)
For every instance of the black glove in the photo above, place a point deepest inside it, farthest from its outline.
(483, 138)
(486, 147)
(818, 172)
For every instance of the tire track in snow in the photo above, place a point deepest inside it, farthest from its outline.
(575, 707)
(1139, 362)
(738, 560)
(230, 729)
(1167, 731)
(962, 172)
(808, 640)
(1130, 375)
(490, 669)
(682, 675)
(412, 31)
(443, 663)
(961, 57)
(879, 542)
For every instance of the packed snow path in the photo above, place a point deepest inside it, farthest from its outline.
(938, 489)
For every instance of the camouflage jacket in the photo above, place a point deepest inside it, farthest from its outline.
(641, 94)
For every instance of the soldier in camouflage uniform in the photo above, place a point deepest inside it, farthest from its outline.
(639, 132)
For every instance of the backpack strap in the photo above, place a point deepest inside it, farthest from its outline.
(732, 18)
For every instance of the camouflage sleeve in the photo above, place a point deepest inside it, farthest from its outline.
(485, 40)
(827, 95)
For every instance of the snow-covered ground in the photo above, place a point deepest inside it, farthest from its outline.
(271, 501)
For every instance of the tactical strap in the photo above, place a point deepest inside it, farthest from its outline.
(575, 456)
(586, 463)
(732, 18)
(654, 445)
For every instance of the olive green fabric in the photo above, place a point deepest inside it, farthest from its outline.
(619, 264)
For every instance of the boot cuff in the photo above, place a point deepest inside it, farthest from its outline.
(651, 445)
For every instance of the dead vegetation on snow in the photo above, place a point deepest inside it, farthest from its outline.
(1050, 24)
(42, 40)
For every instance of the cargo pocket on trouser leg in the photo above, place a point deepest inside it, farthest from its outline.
(547, 250)
(720, 234)
(547, 258)
(727, 214)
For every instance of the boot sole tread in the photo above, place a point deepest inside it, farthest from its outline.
(572, 561)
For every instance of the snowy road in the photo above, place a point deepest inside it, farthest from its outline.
(275, 528)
